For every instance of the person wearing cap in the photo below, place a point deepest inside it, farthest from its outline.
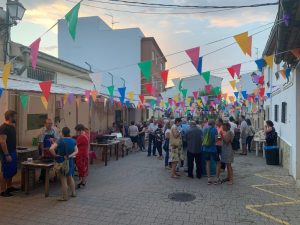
(82, 157)
(8, 153)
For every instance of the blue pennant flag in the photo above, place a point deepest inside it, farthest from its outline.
(245, 95)
(200, 65)
(122, 93)
(127, 104)
(260, 64)
(288, 73)
(269, 95)
(1, 91)
(236, 94)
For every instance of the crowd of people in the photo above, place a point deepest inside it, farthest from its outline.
(184, 143)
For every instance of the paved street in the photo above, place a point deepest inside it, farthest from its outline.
(135, 190)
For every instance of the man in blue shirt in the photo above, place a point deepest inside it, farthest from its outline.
(210, 150)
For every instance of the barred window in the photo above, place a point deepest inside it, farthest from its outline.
(41, 74)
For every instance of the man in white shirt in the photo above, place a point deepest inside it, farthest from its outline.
(133, 131)
(152, 128)
(244, 135)
(233, 125)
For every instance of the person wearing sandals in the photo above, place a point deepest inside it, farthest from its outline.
(175, 146)
(210, 152)
(82, 158)
(66, 149)
(227, 155)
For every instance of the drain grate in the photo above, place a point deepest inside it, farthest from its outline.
(182, 197)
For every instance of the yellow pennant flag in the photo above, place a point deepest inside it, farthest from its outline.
(232, 83)
(243, 41)
(78, 100)
(6, 73)
(131, 96)
(269, 60)
(66, 98)
(176, 98)
(188, 100)
(162, 104)
(45, 102)
(199, 102)
(231, 99)
(224, 96)
(94, 95)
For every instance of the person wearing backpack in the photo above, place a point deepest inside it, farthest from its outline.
(210, 152)
(251, 133)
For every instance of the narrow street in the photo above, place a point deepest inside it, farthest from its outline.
(135, 190)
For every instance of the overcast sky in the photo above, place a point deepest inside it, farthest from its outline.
(172, 32)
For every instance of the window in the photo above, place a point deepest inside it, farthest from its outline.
(276, 113)
(36, 121)
(161, 67)
(156, 61)
(283, 112)
(153, 55)
(41, 74)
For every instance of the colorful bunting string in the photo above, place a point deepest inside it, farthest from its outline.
(72, 19)
(206, 76)
(46, 88)
(145, 67)
(5, 75)
(194, 53)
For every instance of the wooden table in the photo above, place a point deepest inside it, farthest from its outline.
(36, 164)
(106, 147)
(258, 142)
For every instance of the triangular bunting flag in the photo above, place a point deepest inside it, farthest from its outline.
(6, 73)
(131, 96)
(288, 73)
(24, 100)
(261, 80)
(127, 103)
(199, 102)
(208, 89)
(232, 84)
(249, 47)
(46, 88)
(236, 94)
(45, 102)
(70, 98)
(269, 60)
(142, 98)
(194, 53)
(1, 91)
(231, 71)
(72, 19)
(195, 94)
(111, 90)
(180, 84)
(217, 90)
(65, 98)
(244, 94)
(237, 70)
(176, 98)
(262, 92)
(200, 62)
(34, 51)
(243, 41)
(94, 95)
(268, 95)
(149, 88)
(184, 93)
(231, 99)
(260, 64)
(145, 67)
(164, 76)
(206, 76)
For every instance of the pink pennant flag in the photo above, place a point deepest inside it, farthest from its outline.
(231, 71)
(207, 88)
(87, 95)
(34, 52)
(237, 70)
(182, 104)
(195, 94)
(194, 53)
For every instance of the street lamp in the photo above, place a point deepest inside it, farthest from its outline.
(124, 82)
(112, 78)
(14, 13)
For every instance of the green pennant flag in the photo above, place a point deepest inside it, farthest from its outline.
(206, 76)
(72, 19)
(167, 104)
(153, 103)
(217, 90)
(24, 100)
(184, 93)
(145, 67)
(180, 85)
(111, 90)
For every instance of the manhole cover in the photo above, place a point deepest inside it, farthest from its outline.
(182, 197)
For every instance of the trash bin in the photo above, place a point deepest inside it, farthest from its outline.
(272, 155)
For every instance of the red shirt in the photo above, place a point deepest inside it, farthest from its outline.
(83, 145)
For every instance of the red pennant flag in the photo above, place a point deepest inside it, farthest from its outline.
(231, 71)
(164, 76)
(46, 87)
(296, 52)
(237, 70)
(219, 96)
(149, 88)
(194, 53)
(195, 94)
(207, 88)
(261, 80)
(142, 98)
(262, 92)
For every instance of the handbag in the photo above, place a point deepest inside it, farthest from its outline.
(62, 168)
